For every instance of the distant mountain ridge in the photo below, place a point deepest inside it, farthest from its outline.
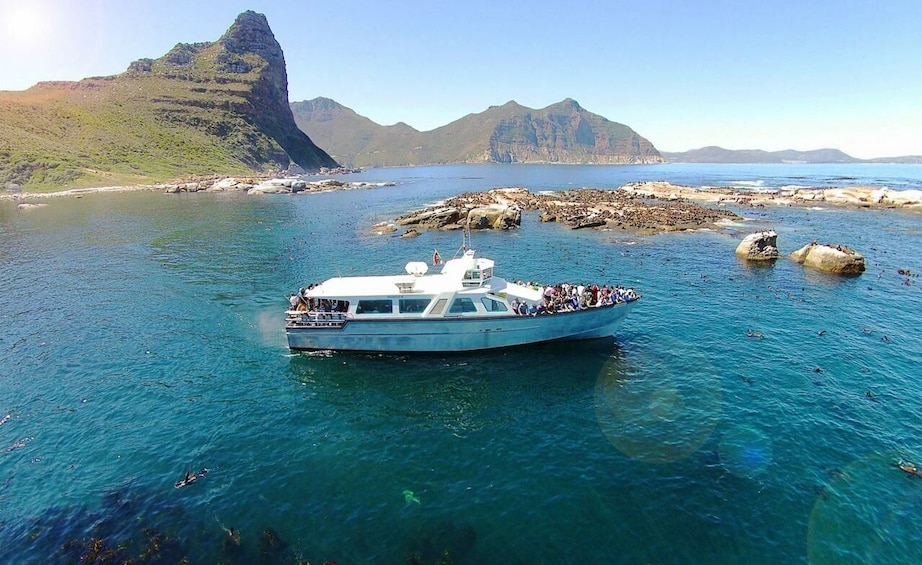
(714, 154)
(560, 133)
(203, 108)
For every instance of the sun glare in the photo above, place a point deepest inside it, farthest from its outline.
(24, 25)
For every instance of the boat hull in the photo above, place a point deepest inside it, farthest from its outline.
(460, 333)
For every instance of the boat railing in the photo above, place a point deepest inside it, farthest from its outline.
(314, 319)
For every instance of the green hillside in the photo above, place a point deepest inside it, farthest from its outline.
(205, 108)
(347, 134)
(511, 133)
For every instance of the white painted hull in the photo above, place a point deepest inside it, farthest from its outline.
(459, 333)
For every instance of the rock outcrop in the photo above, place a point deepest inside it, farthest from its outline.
(836, 259)
(495, 216)
(268, 97)
(761, 246)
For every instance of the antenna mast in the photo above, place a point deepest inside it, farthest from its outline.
(465, 240)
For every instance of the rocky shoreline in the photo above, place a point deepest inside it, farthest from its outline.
(249, 185)
(643, 207)
(855, 197)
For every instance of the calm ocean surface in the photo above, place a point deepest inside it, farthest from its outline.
(141, 335)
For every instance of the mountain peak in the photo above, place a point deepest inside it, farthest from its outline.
(566, 105)
(323, 103)
(250, 33)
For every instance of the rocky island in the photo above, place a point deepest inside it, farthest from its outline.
(501, 208)
(644, 207)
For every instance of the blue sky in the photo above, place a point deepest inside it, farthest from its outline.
(739, 74)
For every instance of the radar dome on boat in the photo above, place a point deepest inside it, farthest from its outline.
(417, 268)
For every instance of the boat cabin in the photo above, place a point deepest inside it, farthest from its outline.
(465, 287)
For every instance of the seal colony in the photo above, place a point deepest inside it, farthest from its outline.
(501, 208)
(645, 207)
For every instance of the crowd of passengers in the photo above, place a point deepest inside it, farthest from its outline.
(301, 302)
(566, 297)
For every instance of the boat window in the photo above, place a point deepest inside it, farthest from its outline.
(374, 307)
(487, 273)
(439, 307)
(413, 305)
(462, 305)
(472, 275)
(493, 305)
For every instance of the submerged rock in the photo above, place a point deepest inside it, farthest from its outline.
(761, 246)
(29, 206)
(837, 259)
(382, 228)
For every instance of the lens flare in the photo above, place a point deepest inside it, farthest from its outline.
(659, 402)
(867, 514)
(745, 451)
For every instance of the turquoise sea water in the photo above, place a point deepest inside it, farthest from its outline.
(141, 336)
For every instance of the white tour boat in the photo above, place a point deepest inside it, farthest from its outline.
(465, 307)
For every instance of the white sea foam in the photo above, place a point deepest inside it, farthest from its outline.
(728, 223)
(271, 328)
(756, 186)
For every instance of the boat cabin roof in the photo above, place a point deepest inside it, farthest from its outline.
(465, 273)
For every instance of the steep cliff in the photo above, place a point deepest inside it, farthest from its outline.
(566, 133)
(269, 108)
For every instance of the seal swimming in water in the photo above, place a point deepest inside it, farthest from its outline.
(190, 478)
(909, 468)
